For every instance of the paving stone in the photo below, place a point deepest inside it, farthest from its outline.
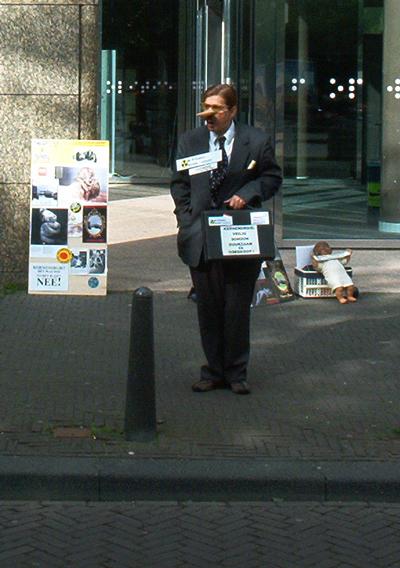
(71, 432)
(324, 379)
(311, 535)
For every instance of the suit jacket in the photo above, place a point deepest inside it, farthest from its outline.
(192, 196)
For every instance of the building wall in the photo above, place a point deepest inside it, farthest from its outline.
(48, 89)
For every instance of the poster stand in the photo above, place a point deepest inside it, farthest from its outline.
(68, 217)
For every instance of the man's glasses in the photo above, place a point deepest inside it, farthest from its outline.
(214, 108)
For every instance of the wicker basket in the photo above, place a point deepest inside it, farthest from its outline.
(311, 284)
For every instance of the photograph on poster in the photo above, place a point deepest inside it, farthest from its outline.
(85, 183)
(75, 223)
(45, 195)
(44, 187)
(44, 251)
(94, 225)
(79, 264)
(48, 277)
(49, 226)
(97, 261)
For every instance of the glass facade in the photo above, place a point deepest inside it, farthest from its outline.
(139, 86)
(309, 72)
(333, 125)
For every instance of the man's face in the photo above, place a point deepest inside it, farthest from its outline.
(217, 115)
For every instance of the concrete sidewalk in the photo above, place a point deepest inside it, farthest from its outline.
(322, 421)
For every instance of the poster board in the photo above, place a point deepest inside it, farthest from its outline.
(272, 285)
(68, 217)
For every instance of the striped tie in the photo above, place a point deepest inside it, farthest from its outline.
(218, 175)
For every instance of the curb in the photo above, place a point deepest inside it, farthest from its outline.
(116, 479)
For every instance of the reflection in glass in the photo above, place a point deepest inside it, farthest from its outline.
(139, 85)
(333, 126)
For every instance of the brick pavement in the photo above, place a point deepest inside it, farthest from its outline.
(199, 535)
(322, 423)
(324, 378)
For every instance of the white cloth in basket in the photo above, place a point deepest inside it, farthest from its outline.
(331, 266)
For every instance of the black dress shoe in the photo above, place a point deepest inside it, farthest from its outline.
(240, 387)
(192, 294)
(205, 385)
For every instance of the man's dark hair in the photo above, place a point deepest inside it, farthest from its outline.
(227, 92)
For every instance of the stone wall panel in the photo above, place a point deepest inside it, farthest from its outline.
(50, 2)
(14, 232)
(30, 117)
(35, 57)
(90, 64)
(49, 65)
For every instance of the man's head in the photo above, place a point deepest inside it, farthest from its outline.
(219, 104)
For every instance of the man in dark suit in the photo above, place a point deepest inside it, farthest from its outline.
(247, 175)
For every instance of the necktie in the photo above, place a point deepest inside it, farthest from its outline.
(218, 175)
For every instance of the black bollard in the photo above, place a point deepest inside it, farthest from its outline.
(140, 409)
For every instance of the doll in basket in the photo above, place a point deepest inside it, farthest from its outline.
(331, 265)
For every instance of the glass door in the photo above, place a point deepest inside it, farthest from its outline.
(209, 41)
(332, 119)
(139, 88)
(224, 48)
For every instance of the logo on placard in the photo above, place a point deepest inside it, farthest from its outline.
(75, 207)
(93, 282)
(85, 155)
(64, 255)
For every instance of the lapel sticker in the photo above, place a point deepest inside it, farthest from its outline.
(206, 160)
(204, 168)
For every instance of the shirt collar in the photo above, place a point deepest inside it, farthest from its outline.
(229, 135)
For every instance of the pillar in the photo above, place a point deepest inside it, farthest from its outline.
(390, 175)
(48, 89)
(302, 93)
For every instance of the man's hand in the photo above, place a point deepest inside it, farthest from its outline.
(236, 202)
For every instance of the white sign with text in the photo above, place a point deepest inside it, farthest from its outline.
(239, 240)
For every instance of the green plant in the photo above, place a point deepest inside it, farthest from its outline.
(106, 433)
(12, 288)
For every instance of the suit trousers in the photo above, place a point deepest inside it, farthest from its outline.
(224, 290)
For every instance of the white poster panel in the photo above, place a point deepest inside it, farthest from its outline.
(68, 229)
(239, 240)
(48, 277)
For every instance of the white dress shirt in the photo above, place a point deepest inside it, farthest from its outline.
(229, 139)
